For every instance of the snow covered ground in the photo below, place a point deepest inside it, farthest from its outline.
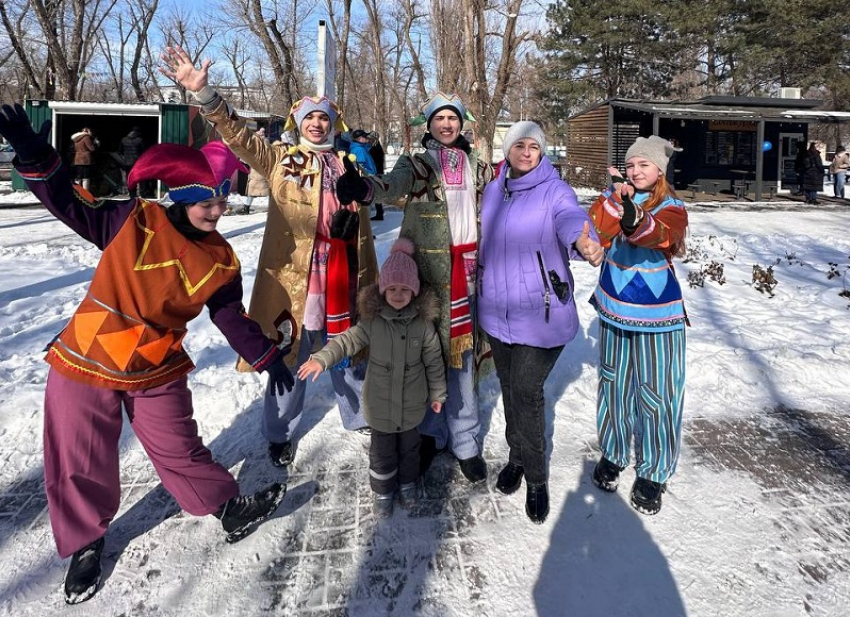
(756, 521)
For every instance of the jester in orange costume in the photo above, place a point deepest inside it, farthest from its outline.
(123, 346)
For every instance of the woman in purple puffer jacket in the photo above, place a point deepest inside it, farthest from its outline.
(531, 227)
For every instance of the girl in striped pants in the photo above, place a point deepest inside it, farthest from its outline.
(642, 225)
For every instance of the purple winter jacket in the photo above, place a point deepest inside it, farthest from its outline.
(528, 226)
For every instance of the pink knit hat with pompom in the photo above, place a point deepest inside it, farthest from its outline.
(399, 268)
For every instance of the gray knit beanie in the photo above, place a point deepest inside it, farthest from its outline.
(522, 130)
(654, 149)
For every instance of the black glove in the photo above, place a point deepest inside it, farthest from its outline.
(632, 215)
(280, 376)
(344, 224)
(350, 186)
(31, 147)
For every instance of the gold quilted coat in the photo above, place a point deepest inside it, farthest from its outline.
(295, 179)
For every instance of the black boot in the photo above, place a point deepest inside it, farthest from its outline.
(84, 573)
(474, 469)
(537, 502)
(428, 451)
(510, 478)
(646, 495)
(241, 514)
(281, 453)
(606, 475)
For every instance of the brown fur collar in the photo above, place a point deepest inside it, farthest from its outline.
(370, 303)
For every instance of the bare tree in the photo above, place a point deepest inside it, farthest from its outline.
(449, 43)
(20, 26)
(123, 51)
(276, 25)
(375, 32)
(70, 29)
(412, 16)
(194, 34)
(238, 57)
(143, 13)
(487, 97)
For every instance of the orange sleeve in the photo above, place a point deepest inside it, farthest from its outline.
(605, 216)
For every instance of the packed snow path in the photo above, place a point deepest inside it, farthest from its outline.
(756, 521)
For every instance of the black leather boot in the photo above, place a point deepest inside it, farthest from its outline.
(242, 514)
(606, 475)
(84, 573)
(510, 478)
(474, 468)
(646, 496)
(537, 502)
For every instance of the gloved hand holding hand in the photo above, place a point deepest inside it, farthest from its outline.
(280, 376)
(31, 147)
(350, 186)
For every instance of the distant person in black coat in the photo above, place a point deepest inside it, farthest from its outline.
(377, 154)
(813, 174)
(671, 164)
(131, 148)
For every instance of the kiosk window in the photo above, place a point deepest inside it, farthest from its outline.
(729, 148)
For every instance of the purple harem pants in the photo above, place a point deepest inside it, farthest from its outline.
(82, 428)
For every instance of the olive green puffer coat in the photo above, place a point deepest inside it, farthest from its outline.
(405, 370)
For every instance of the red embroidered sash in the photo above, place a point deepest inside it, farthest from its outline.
(337, 294)
(460, 330)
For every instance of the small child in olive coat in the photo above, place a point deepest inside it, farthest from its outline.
(405, 372)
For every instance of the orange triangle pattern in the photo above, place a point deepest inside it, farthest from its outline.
(178, 341)
(155, 351)
(121, 345)
(86, 326)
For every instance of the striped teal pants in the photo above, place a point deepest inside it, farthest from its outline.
(641, 395)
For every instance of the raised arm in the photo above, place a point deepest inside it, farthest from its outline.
(179, 67)
(244, 143)
(47, 177)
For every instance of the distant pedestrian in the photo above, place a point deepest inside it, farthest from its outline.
(838, 169)
(130, 149)
(377, 153)
(84, 146)
(812, 174)
(405, 373)
(642, 224)
(258, 184)
(671, 166)
(360, 149)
